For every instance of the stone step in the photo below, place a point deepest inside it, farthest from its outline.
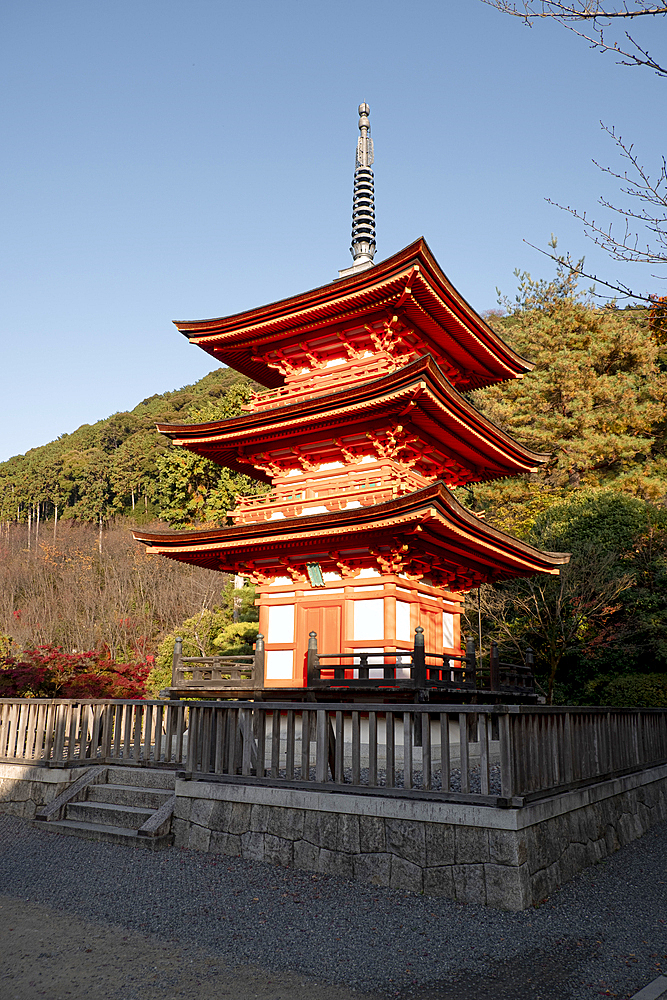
(145, 777)
(109, 834)
(128, 795)
(108, 814)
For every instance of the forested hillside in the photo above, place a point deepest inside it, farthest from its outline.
(121, 466)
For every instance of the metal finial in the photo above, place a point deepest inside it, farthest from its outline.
(363, 205)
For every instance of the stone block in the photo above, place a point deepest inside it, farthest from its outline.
(545, 845)
(347, 834)
(336, 863)
(374, 868)
(252, 845)
(277, 850)
(16, 791)
(611, 839)
(507, 847)
(406, 875)
(238, 820)
(546, 881)
(285, 823)
(260, 818)
(407, 840)
(472, 845)
(507, 886)
(440, 844)
(439, 881)
(371, 834)
(199, 838)
(200, 812)
(469, 884)
(306, 856)
(179, 828)
(182, 807)
(225, 843)
(320, 829)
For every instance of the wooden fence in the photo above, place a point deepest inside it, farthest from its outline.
(501, 754)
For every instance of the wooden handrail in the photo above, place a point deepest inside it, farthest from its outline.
(448, 751)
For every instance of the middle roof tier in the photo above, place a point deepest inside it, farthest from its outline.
(413, 416)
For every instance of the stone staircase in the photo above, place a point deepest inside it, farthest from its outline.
(120, 805)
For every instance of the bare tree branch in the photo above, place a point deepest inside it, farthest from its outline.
(589, 10)
(595, 14)
(564, 260)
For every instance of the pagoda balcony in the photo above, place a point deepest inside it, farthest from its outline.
(350, 488)
(389, 674)
(334, 374)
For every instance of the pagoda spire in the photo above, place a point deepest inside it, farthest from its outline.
(363, 202)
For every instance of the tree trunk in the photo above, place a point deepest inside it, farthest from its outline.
(55, 524)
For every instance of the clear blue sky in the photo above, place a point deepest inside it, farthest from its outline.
(191, 159)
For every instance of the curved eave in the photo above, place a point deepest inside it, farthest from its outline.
(432, 518)
(432, 303)
(455, 421)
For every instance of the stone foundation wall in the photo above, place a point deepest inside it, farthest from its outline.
(24, 788)
(506, 858)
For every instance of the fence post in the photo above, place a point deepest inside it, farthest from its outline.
(530, 663)
(258, 665)
(313, 672)
(471, 662)
(176, 662)
(419, 659)
(505, 731)
(494, 667)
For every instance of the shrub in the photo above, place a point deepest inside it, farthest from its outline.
(634, 691)
(48, 672)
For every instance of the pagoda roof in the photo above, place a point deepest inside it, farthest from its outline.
(409, 284)
(430, 522)
(419, 395)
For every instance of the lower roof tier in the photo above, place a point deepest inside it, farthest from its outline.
(413, 415)
(424, 535)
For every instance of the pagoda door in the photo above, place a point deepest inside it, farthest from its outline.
(326, 621)
(431, 622)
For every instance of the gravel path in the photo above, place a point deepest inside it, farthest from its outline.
(602, 935)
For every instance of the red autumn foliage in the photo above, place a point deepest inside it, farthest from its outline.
(48, 672)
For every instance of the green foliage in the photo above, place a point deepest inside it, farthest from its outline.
(595, 402)
(193, 490)
(630, 691)
(211, 632)
(606, 614)
(113, 467)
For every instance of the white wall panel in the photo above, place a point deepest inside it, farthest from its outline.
(403, 621)
(369, 619)
(281, 623)
(447, 630)
(279, 664)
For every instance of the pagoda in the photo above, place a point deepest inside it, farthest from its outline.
(362, 432)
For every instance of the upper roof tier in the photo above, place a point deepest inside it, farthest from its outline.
(406, 298)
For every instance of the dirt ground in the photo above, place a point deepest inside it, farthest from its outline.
(47, 953)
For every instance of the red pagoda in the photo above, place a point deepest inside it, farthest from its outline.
(362, 433)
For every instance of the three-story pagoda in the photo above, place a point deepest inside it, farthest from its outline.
(362, 433)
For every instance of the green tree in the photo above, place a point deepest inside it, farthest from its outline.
(595, 402)
(194, 490)
(606, 614)
(211, 632)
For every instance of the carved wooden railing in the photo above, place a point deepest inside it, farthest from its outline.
(418, 669)
(213, 673)
(502, 755)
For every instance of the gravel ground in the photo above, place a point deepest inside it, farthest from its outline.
(604, 934)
